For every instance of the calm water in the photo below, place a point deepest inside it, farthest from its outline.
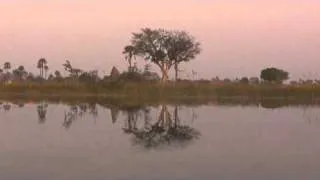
(94, 142)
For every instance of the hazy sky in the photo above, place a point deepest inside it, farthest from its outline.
(239, 37)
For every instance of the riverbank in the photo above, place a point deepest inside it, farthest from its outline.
(154, 93)
(157, 90)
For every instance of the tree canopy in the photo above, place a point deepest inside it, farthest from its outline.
(20, 72)
(164, 48)
(7, 66)
(274, 75)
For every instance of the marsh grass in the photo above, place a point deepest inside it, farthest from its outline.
(157, 91)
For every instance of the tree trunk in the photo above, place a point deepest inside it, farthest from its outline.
(130, 66)
(41, 73)
(176, 69)
(164, 69)
(165, 76)
(176, 116)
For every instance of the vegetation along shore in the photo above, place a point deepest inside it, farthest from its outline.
(165, 49)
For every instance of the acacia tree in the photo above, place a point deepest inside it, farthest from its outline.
(183, 48)
(164, 48)
(274, 75)
(73, 72)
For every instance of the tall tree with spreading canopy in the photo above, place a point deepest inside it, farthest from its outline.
(274, 75)
(73, 72)
(164, 48)
(183, 48)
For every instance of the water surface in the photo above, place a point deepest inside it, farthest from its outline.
(80, 141)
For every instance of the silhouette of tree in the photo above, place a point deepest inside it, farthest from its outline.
(20, 72)
(46, 69)
(164, 48)
(67, 66)
(50, 77)
(115, 73)
(30, 76)
(129, 52)
(57, 76)
(274, 75)
(73, 72)
(42, 62)
(7, 66)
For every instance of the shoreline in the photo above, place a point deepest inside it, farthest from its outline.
(155, 92)
(111, 100)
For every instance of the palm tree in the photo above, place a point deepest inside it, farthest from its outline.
(46, 68)
(41, 64)
(7, 66)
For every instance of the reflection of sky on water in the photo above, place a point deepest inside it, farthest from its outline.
(236, 142)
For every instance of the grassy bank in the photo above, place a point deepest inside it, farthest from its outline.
(156, 91)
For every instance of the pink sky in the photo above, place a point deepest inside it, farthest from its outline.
(238, 37)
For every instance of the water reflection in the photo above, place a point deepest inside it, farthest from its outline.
(77, 111)
(147, 126)
(167, 130)
(42, 112)
(250, 141)
(7, 106)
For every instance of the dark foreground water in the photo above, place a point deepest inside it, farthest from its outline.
(211, 142)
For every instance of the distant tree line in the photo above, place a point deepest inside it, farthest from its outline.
(166, 49)
(74, 74)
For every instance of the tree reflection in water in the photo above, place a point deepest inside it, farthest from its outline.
(166, 131)
(42, 112)
(77, 111)
(7, 106)
(133, 115)
(114, 114)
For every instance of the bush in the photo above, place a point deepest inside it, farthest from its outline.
(244, 80)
